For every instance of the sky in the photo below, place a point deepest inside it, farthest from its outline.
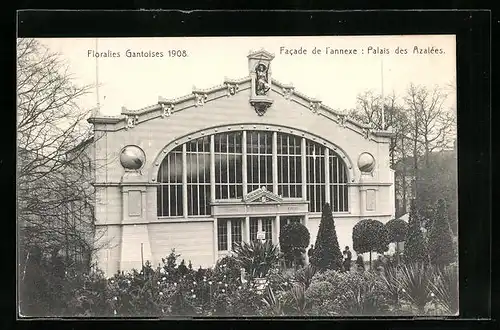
(336, 80)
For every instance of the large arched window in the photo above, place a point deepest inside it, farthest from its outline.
(198, 176)
(294, 166)
(228, 171)
(259, 160)
(289, 158)
(170, 189)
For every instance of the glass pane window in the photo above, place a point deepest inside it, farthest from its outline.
(169, 191)
(259, 160)
(222, 234)
(236, 234)
(338, 184)
(228, 166)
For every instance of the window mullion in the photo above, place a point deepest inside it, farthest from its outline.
(244, 162)
(274, 164)
(212, 168)
(337, 185)
(303, 163)
(327, 176)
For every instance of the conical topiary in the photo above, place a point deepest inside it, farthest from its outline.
(327, 253)
(441, 248)
(415, 250)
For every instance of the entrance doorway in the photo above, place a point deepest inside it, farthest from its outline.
(262, 224)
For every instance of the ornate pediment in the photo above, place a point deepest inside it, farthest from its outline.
(262, 195)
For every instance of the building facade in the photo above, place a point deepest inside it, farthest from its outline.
(229, 164)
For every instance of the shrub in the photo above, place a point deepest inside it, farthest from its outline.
(370, 235)
(415, 281)
(320, 295)
(273, 304)
(257, 258)
(279, 280)
(392, 287)
(305, 275)
(364, 294)
(445, 289)
(441, 247)
(295, 301)
(294, 239)
(347, 293)
(415, 250)
(327, 253)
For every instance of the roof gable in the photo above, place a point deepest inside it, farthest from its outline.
(262, 195)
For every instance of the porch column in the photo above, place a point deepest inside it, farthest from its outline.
(216, 244)
(277, 229)
(275, 162)
(184, 182)
(304, 168)
(244, 162)
(305, 223)
(246, 238)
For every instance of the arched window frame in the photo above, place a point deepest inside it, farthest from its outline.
(332, 152)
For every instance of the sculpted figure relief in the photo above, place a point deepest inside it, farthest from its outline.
(262, 84)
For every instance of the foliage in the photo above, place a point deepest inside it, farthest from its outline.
(396, 229)
(294, 239)
(327, 253)
(365, 295)
(257, 258)
(305, 275)
(174, 289)
(370, 235)
(438, 179)
(445, 289)
(321, 295)
(273, 305)
(347, 293)
(392, 287)
(295, 300)
(415, 249)
(415, 281)
(441, 246)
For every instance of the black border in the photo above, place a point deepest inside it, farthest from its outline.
(473, 31)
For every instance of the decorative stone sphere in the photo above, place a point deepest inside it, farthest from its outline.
(366, 162)
(132, 158)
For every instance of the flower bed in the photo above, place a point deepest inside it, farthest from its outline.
(179, 290)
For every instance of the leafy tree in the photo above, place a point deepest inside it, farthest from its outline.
(415, 249)
(327, 253)
(294, 239)
(396, 229)
(370, 235)
(439, 180)
(441, 247)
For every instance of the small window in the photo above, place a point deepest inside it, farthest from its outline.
(222, 234)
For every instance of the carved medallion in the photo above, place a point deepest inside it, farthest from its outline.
(261, 106)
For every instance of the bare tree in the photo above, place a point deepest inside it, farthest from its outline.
(54, 170)
(433, 128)
(433, 124)
(420, 123)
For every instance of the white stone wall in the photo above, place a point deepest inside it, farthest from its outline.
(195, 240)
